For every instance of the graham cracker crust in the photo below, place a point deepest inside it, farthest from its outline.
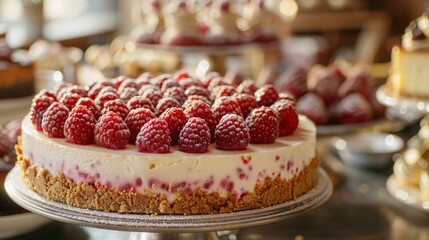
(83, 195)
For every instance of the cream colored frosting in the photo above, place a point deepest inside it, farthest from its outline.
(215, 171)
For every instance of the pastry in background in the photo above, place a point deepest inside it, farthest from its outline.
(258, 22)
(409, 70)
(221, 21)
(149, 31)
(181, 28)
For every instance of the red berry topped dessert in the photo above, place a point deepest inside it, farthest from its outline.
(323, 94)
(220, 149)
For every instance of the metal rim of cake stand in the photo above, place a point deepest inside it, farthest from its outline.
(19, 192)
(403, 104)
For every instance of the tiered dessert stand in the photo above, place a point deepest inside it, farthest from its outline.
(408, 195)
(159, 227)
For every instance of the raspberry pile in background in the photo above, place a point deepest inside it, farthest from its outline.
(328, 95)
(156, 112)
(8, 138)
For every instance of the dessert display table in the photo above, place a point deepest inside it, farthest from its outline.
(165, 226)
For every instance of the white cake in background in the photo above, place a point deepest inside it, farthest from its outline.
(409, 76)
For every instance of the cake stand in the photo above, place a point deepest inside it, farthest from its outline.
(159, 227)
(402, 104)
(407, 195)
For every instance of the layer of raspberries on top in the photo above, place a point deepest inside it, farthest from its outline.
(156, 112)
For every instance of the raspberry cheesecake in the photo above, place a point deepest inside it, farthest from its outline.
(198, 152)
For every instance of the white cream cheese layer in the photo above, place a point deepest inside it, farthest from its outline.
(236, 172)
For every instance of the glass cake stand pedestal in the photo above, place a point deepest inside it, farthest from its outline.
(160, 227)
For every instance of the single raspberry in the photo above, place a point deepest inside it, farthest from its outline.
(313, 107)
(337, 72)
(197, 90)
(105, 97)
(38, 108)
(94, 91)
(232, 133)
(217, 81)
(6, 146)
(152, 95)
(223, 90)
(111, 131)
(127, 83)
(46, 93)
(143, 79)
(176, 119)
(108, 89)
(80, 90)
(154, 137)
(233, 78)
(117, 106)
(189, 82)
(54, 119)
(247, 103)
(288, 117)
(287, 96)
(136, 119)
(91, 105)
(209, 77)
(194, 136)
(266, 95)
(160, 79)
(169, 83)
(147, 87)
(127, 94)
(79, 126)
(263, 123)
(166, 103)
(248, 86)
(60, 86)
(70, 100)
(181, 74)
(358, 81)
(325, 84)
(196, 97)
(62, 92)
(225, 105)
(354, 109)
(176, 93)
(198, 108)
(140, 102)
(294, 80)
(117, 81)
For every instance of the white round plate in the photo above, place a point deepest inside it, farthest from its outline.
(411, 196)
(18, 224)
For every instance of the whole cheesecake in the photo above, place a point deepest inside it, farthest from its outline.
(131, 179)
(410, 61)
